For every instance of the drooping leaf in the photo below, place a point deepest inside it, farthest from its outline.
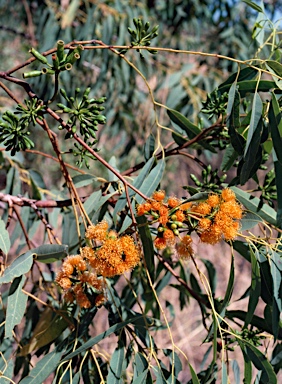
(255, 288)
(253, 5)
(44, 367)
(149, 185)
(247, 73)
(48, 328)
(140, 365)
(137, 184)
(49, 253)
(233, 120)
(278, 182)
(255, 118)
(94, 340)
(147, 244)
(5, 243)
(275, 124)
(18, 267)
(194, 376)
(276, 69)
(116, 366)
(251, 86)
(16, 305)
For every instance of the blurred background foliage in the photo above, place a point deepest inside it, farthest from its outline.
(179, 81)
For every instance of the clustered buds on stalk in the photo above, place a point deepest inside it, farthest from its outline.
(61, 61)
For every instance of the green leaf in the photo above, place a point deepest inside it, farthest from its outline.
(229, 290)
(249, 221)
(49, 253)
(116, 364)
(236, 371)
(194, 376)
(275, 269)
(83, 180)
(48, 328)
(247, 365)
(191, 129)
(229, 158)
(275, 124)
(254, 205)
(95, 340)
(261, 363)
(137, 184)
(18, 267)
(276, 69)
(253, 5)
(5, 243)
(44, 367)
(255, 118)
(149, 185)
(253, 156)
(147, 244)
(140, 365)
(233, 120)
(141, 379)
(247, 73)
(149, 147)
(278, 182)
(256, 321)
(16, 305)
(255, 288)
(224, 375)
(251, 86)
(211, 274)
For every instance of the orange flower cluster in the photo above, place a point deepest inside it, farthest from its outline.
(213, 220)
(112, 255)
(171, 216)
(218, 217)
(74, 278)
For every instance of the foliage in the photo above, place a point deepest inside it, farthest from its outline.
(111, 242)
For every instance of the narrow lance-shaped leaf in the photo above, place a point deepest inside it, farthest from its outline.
(147, 243)
(5, 243)
(115, 368)
(16, 305)
(255, 288)
(44, 367)
(275, 124)
(255, 118)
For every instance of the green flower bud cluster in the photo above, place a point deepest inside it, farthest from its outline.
(14, 133)
(216, 104)
(210, 181)
(31, 112)
(60, 60)
(82, 154)
(85, 112)
(142, 36)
